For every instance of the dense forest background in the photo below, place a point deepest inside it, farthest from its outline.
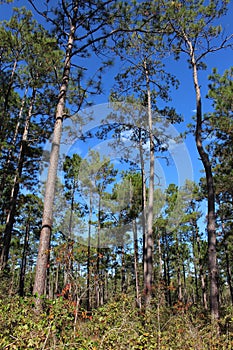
(116, 174)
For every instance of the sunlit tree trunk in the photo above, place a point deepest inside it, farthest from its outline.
(211, 225)
(45, 235)
(143, 176)
(149, 244)
(89, 255)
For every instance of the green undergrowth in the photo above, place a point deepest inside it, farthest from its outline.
(117, 325)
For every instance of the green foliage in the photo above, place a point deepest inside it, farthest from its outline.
(117, 325)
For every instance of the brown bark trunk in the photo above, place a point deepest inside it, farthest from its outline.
(13, 142)
(15, 189)
(195, 259)
(89, 255)
(211, 224)
(123, 271)
(45, 235)
(24, 259)
(228, 269)
(149, 244)
(3, 116)
(167, 269)
(97, 274)
(136, 272)
(135, 239)
(143, 201)
(179, 281)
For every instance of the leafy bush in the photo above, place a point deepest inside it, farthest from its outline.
(117, 325)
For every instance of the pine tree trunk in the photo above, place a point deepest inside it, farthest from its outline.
(201, 272)
(15, 189)
(89, 255)
(123, 271)
(97, 274)
(143, 202)
(13, 142)
(24, 259)
(135, 239)
(136, 272)
(195, 259)
(47, 220)
(228, 270)
(211, 224)
(180, 295)
(167, 269)
(149, 244)
(3, 116)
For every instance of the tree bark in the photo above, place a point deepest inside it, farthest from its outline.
(211, 224)
(24, 259)
(89, 255)
(149, 244)
(45, 235)
(15, 189)
(3, 116)
(143, 201)
(195, 259)
(135, 239)
(228, 270)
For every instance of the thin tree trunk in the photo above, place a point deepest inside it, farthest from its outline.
(202, 277)
(149, 244)
(185, 286)
(123, 271)
(15, 189)
(135, 238)
(136, 272)
(69, 257)
(89, 255)
(211, 224)
(24, 259)
(13, 142)
(160, 257)
(56, 291)
(45, 235)
(3, 116)
(97, 275)
(106, 286)
(167, 269)
(228, 270)
(195, 259)
(143, 202)
(180, 295)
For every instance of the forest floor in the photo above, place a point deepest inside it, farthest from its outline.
(114, 326)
